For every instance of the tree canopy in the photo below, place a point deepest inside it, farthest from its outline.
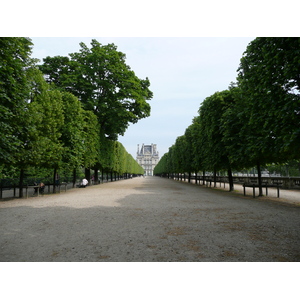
(102, 81)
(14, 59)
(269, 77)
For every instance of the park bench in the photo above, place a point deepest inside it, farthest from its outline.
(209, 181)
(297, 182)
(37, 189)
(58, 185)
(264, 185)
(40, 190)
(224, 181)
(7, 187)
(62, 184)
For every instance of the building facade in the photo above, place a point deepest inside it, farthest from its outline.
(147, 157)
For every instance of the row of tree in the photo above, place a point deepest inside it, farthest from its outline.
(67, 115)
(255, 122)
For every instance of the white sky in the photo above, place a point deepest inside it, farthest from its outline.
(182, 71)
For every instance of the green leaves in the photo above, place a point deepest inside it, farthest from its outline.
(104, 84)
(269, 80)
(14, 59)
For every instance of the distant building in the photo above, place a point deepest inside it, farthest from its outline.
(147, 157)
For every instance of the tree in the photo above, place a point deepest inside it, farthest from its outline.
(103, 82)
(107, 154)
(190, 151)
(51, 147)
(74, 134)
(162, 168)
(92, 143)
(215, 155)
(182, 158)
(41, 122)
(14, 60)
(269, 81)
(177, 155)
(197, 147)
(172, 163)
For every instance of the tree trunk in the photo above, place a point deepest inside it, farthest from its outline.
(230, 179)
(74, 177)
(21, 180)
(87, 173)
(203, 178)
(215, 177)
(96, 179)
(54, 180)
(189, 180)
(259, 180)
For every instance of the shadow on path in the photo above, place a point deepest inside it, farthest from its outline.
(149, 219)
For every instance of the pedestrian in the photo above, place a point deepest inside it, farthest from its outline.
(84, 182)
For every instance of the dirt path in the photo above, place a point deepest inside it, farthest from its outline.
(148, 219)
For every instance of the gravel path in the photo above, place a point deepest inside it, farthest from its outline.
(148, 219)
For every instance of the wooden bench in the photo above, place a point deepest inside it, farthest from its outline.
(224, 181)
(58, 185)
(208, 181)
(39, 191)
(7, 187)
(264, 185)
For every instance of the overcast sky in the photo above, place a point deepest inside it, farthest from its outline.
(182, 72)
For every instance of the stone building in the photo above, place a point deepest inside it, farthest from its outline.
(147, 157)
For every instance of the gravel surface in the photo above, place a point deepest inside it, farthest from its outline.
(148, 220)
